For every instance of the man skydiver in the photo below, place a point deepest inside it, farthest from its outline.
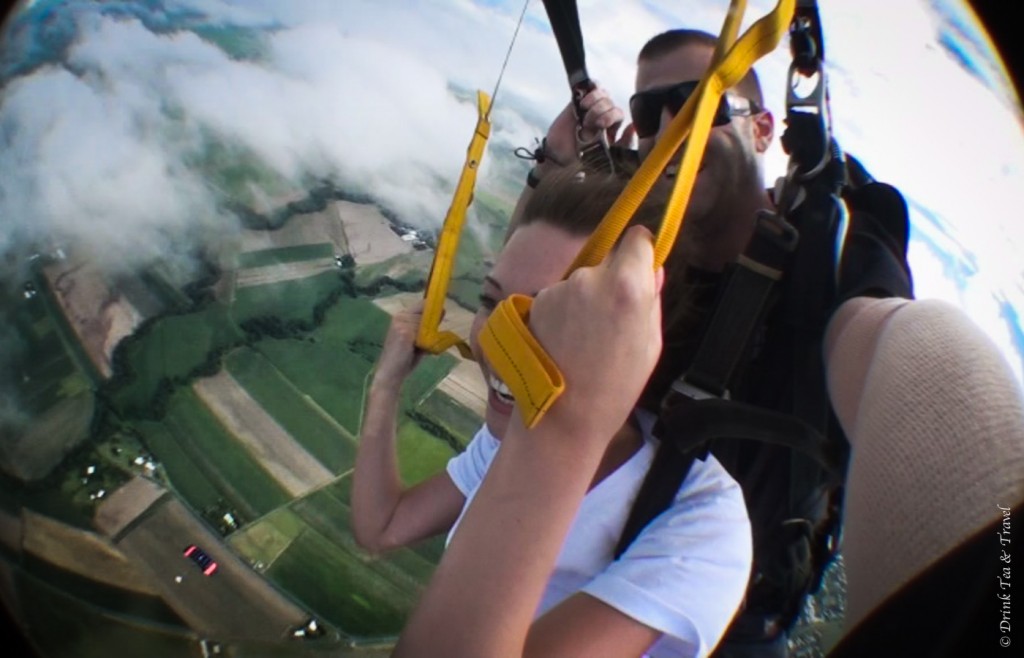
(730, 187)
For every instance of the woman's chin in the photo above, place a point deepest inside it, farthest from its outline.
(497, 416)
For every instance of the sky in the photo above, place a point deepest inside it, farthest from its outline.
(97, 148)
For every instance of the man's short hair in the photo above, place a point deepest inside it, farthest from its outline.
(670, 41)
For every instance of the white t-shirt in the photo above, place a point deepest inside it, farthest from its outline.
(684, 575)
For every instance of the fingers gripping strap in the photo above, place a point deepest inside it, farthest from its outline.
(519, 360)
(429, 338)
(442, 341)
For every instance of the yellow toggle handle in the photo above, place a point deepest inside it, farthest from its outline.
(506, 341)
(510, 347)
(429, 337)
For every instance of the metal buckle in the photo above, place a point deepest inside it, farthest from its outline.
(694, 392)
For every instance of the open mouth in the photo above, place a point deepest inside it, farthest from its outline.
(500, 390)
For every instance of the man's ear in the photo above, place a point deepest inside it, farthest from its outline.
(764, 130)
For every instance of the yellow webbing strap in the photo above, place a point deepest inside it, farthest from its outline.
(503, 334)
(537, 382)
(429, 337)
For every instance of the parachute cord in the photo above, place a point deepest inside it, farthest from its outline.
(429, 336)
(508, 55)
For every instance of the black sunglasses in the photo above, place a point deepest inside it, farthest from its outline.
(646, 106)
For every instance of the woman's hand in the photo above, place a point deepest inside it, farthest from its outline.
(400, 356)
(602, 327)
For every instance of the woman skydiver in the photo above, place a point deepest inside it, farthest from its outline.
(935, 421)
(675, 590)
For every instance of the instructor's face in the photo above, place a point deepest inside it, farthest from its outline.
(730, 155)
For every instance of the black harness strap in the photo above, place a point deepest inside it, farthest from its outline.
(740, 308)
(565, 23)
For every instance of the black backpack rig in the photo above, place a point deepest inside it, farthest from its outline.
(753, 389)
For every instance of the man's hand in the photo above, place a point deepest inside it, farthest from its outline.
(564, 141)
(400, 356)
(602, 327)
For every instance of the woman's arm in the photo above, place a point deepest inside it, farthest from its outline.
(603, 328)
(386, 515)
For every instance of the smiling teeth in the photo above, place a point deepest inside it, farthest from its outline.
(500, 389)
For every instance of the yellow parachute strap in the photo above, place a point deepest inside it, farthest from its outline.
(429, 337)
(502, 337)
(730, 29)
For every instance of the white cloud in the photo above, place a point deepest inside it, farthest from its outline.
(360, 89)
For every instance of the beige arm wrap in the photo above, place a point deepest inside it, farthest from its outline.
(935, 419)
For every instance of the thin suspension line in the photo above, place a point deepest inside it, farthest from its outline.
(508, 54)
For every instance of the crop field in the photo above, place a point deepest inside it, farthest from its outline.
(220, 458)
(46, 383)
(344, 351)
(341, 585)
(321, 435)
(279, 255)
(311, 387)
(261, 543)
(173, 347)
(287, 300)
(47, 372)
(420, 453)
(46, 368)
(408, 268)
(308, 550)
(454, 417)
(188, 477)
(328, 515)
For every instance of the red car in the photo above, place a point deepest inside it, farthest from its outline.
(202, 560)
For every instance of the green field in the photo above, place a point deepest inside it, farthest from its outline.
(46, 371)
(330, 516)
(189, 477)
(345, 587)
(287, 300)
(344, 351)
(308, 550)
(451, 415)
(279, 255)
(173, 347)
(311, 383)
(420, 453)
(332, 445)
(221, 460)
